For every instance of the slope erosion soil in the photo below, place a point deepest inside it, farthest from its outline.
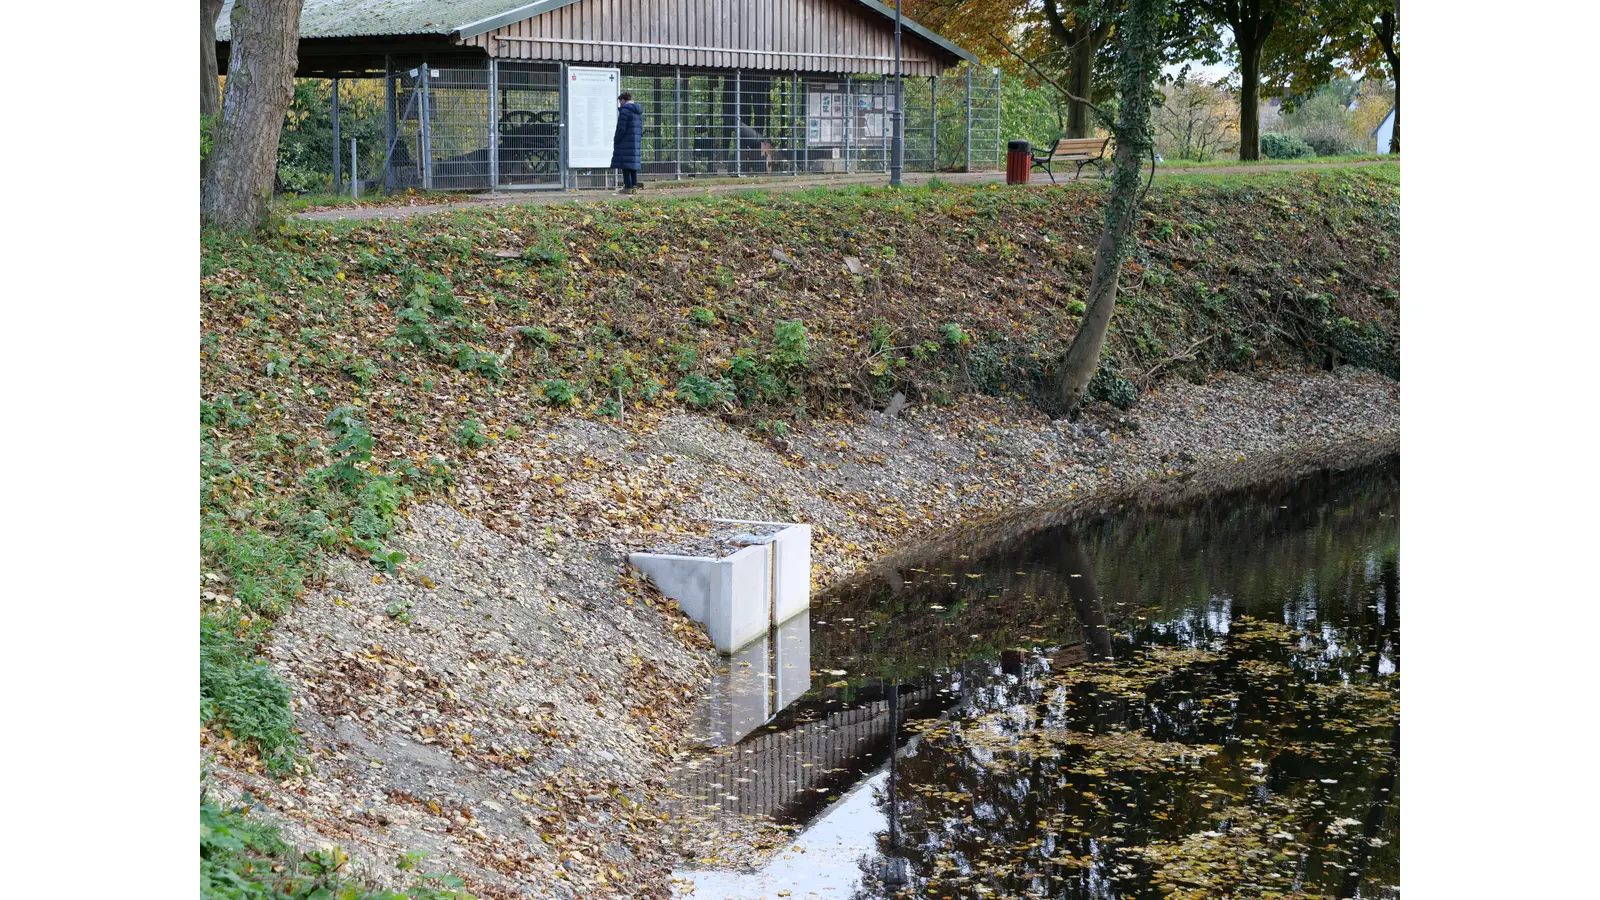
(453, 429)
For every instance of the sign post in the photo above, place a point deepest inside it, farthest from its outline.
(591, 115)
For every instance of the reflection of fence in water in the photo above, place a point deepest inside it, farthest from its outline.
(786, 774)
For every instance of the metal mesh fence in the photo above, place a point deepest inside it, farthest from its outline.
(527, 112)
(500, 126)
(987, 150)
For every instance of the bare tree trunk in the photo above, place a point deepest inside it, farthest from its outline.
(210, 96)
(1249, 100)
(261, 64)
(1388, 23)
(1137, 67)
(1080, 82)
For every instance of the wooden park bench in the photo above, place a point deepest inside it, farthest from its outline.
(1080, 151)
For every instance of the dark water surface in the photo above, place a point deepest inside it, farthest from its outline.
(1193, 704)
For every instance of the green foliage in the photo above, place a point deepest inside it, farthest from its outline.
(772, 428)
(1279, 145)
(1323, 122)
(244, 697)
(1109, 387)
(1076, 307)
(609, 407)
(558, 392)
(245, 858)
(470, 434)
(538, 335)
(955, 335)
(790, 347)
(352, 445)
(701, 392)
(400, 611)
(700, 315)
(305, 146)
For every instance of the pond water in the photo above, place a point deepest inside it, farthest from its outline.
(1193, 704)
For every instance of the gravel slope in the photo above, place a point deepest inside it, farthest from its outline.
(510, 704)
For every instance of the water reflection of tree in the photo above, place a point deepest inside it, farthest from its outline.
(1330, 562)
(1283, 544)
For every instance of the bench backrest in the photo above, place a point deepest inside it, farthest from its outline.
(1079, 146)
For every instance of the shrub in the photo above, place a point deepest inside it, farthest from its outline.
(1108, 386)
(244, 697)
(1278, 145)
(558, 392)
(471, 435)
(702, 316)
(790, 347)
(954, 335)
(700, 392)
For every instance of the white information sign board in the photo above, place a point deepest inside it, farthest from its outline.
(591, 115)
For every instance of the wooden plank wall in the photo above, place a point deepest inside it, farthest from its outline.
(779, 35)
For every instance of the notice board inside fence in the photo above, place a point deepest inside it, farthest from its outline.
(591, 115)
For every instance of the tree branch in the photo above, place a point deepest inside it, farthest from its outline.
(1104, 117)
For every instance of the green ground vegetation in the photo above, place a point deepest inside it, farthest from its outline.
(351, 368)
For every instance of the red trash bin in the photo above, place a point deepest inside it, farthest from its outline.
(1019, 161)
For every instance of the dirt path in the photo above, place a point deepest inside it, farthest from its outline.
(721, 186)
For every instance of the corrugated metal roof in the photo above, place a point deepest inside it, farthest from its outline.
(362, 18)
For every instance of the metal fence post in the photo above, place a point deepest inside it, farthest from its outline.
(567, 180)
(424, 132)
(390, 130)
(999, 163)
(968, 167)
(338, 175)
(849, 120)
(738, 122)
(798, 109)
(677, 123)
(933, 123)
(355, 173)
(494, 123)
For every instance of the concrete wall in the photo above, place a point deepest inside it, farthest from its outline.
(741, 596)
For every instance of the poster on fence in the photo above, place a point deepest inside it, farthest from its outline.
(591, 115)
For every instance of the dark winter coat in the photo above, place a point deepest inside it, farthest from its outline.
(626, 151)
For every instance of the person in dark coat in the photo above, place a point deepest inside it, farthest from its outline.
(627, 144)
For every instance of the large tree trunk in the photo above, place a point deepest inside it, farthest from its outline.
(261, 64)
(1387, 25)
(1080, 82)
(1137, 67)
(210, 96)
(1249, 99)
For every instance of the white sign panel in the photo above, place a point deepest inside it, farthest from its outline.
(591, 115)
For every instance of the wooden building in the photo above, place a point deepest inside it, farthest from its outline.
(493, 94)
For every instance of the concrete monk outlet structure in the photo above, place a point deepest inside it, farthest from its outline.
(741, 582)
(499, 95)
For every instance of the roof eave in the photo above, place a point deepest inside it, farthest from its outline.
(526, 11)
(923, 32)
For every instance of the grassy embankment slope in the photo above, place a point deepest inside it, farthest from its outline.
(348, 369)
